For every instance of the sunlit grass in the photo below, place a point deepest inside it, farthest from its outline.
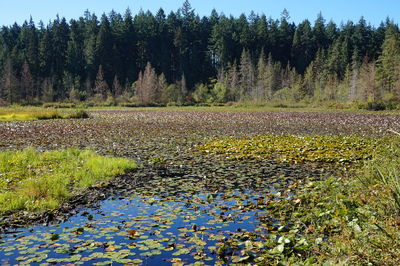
(32, 180)
(17, 113)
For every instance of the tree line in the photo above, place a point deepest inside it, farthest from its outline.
(184, 58)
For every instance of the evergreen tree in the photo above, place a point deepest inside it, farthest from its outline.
(10, 85)
(75, 60)
(27, 84)
(389, 61)
(89, 46)
(48, 92)
(128, 49)
(104, 48)
(116, 87)
(100, 86)
(162, 86)
(233, 81)
(303, 47)
(46, 52)
(319, 33)
(247, 75)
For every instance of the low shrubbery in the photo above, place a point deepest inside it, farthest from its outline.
(59, 105)
(33, 181)
(379, 105)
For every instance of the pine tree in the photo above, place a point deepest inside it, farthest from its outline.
(10, 85)
(162, 86)
(247, 76)
(309, 81)
(303, 49)
(27, 84)
(117, 89)
(100, 86)
(233, 82)
(46, 60)
(48, 92)
(389, 61)
(259, 89)
(104, 48)
(75, 61)
(89, 45)
(320, 37)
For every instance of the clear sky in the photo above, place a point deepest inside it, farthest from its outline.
(374, 11)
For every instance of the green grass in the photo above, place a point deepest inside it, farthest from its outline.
(17, 113)
(35, 181)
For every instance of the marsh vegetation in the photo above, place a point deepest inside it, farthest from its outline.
(214, 185)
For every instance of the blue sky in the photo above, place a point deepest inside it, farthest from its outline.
(338, 10)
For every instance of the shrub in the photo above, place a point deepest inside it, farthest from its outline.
(59, 105)
(3, 103)
(80, 114)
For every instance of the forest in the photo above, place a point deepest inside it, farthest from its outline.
(181, 58)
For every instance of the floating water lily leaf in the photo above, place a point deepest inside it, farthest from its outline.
(181, 251)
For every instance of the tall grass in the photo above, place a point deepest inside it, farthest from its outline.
(384, 172)
(364, 212)
(32, 180)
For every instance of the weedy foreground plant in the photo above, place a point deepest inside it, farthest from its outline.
(34, 181)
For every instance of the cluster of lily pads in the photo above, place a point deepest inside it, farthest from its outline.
(294, 149)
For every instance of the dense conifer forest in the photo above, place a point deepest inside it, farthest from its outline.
(183, 58)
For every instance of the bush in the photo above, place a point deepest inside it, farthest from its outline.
(379, 105)
(3, 103)
(51, 115)
(128, 105)
(80, 114)
(59, 105)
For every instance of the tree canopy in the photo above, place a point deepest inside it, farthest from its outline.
(253, 56)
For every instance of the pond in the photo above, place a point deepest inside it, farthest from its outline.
(186, 219)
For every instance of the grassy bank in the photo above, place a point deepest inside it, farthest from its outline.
(36, 113)
(34, 181)
(347, 220)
